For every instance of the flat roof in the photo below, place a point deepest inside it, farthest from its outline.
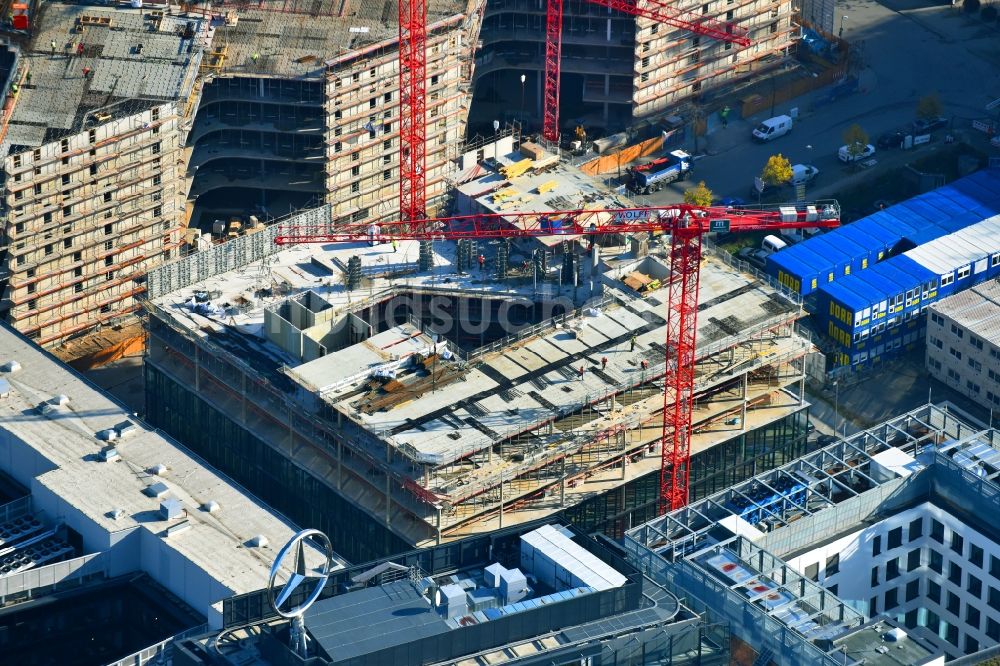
(298, 38)
(977, 309)
(555, 187)
(67, 441)
(137, 58)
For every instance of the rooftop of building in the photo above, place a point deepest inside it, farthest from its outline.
(745, 536)
(514, 593)
(977, 309)
(299, 38)
(116, 61)
(126, 492)
(884, 643)
(509, 184)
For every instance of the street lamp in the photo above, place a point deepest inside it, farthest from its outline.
(842, 19)
(521, 114)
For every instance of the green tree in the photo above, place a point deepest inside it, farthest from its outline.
(699, 195)
(929, 106)
(856, 140)
(778, 170)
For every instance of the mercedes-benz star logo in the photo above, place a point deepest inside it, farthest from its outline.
(301, 575)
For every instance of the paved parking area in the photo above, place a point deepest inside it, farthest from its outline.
(910, 49)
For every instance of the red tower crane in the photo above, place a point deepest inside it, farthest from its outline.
(651, 9)
(685, 223)
(412, 107)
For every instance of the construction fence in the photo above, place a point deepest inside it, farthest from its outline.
(613, 161)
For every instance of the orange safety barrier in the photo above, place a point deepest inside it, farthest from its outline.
(610, 162)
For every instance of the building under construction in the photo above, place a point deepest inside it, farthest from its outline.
(618, 68)
(125, 118)
(397, 395)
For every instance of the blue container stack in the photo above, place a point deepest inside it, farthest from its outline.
(842, 252)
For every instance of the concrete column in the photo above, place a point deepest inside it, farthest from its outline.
(624, 439)
(562, 483)
(388, 499)
(802, 383)
(501, 500)
(340, 464)
(439, 526)
(743, 402)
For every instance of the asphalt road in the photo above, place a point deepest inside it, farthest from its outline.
(908, 52)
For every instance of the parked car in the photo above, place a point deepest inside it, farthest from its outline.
(891, 139)
(803, 173)
(754, 256)
(926, 125)
(730, 202)
(844, 155)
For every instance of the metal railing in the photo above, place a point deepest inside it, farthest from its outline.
(161, 652)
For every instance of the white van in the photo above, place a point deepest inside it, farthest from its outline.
(772, 128)
(772, 243)
(803, 173)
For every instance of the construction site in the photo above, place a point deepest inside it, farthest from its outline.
(127, 127)
(620, 64)
(397, 394)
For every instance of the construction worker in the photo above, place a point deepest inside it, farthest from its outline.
(79, 49)
(482, 262)
(86, 72)
(27, 78)
(645, 365)
(580, 373)
(724, 115)
(631, 343)
(604, 363)
(13, 89)
(255, 57)
(394, 247)
(53, 45)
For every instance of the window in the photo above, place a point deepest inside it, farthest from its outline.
(895, 537)
(937, 533)
(156, 179)
(77, 272)
(812, 572)
(994, 567)
(916, 528)
(912, 590)
(105, 308)
(891, 599)
(946, 280)
(954, 604)
(78, 288)
(31, 287)
(156, 148)
(933, 591)
(971, 644)
(913, 559)
(955, 574)
(975, 365)
(355, 187)
(964, 272)
(387, 174)
(954, 352)
(873, 607)
(109, 245)
(957, 542)
(951, 633)
(93, 169)
(157, 211)
(67, 243)
(976, 342)
(387, 144)
(993, 629)
(936, 562)
(975, 555)
(994, 260)
(356, 171)
(993, 599)
(892, 569)
(48, 249)
(974, 586)
(109, 229)
(109, 260)
(833, 565)
(77, 256)
(110, 275)
(876, 545)
(874, 580)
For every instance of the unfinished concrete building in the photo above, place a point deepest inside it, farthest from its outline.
(301, 106)
(616, 68)
(407, 411)
(133, 124)
(92, 190)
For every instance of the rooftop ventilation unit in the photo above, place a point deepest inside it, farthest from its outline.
(211, 506)
(107, 435)
(117, 514)
(156, 490)
(171, 509)
(126, 428)
(259, 541)
(174, 530)
(10, 367)
(108, 454)
(158, 469)
(60, 400)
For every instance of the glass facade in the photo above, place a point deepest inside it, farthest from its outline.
(712, 470)
(359, 537)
